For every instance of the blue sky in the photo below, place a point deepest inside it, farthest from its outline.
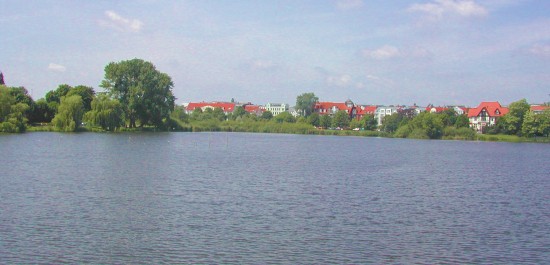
(373, 52)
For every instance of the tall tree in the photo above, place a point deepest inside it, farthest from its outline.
(12, 113)
(144, 92)
(86, 93)
(514, 118)
(305, 103)
(340, 119)
(2, 79)
(69, 114)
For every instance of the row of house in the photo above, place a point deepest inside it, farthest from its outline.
(485, 114)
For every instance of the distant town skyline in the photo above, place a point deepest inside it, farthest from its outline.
(444, 52)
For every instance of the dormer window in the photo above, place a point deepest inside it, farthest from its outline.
(497, 112)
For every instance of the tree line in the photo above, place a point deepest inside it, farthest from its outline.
(137, 94)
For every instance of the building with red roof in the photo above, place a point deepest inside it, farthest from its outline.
(330, 108)
(253, 109)
(227, 107)
(538, 109)
(486, 114)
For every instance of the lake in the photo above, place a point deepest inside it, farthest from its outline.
(218, 198)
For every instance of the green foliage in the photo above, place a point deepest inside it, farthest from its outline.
(218, 114)
(106, 113)
(56, 95)
(513, 121)
(144, 92)
(368, 122)
(305, 103)
(69, 115)
(314, 119)
(40, 112)
(462, 121)
(325, 121)
(238, 112)
(266, 115)
(180, 114)
(86, 93)
(391, 122)
(284, 117)
(12, 113)
(341, 119)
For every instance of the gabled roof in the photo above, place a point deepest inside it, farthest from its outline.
(362, 110)
(225, 106)
(494, 109)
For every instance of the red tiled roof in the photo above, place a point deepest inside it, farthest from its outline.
(539, 108)
(253, 108)
(363, 110)
(436, 109)
(329, 105)
(225, 106)
(494, 109)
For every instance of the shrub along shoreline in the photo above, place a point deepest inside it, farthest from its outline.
(292, 128)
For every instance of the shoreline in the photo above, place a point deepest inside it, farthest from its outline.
(300, 131)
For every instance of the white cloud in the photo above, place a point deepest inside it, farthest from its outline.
(438, 8)
(385, 52)
(540, 50)
(349, 4)
(120, 23)
(56, 67)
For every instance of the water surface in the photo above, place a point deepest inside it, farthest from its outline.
(164, 198)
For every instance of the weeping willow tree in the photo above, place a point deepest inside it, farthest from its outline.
(69, 114)
(106, 113)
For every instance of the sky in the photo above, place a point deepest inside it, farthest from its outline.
(441, 52)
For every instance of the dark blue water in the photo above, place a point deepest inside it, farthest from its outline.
(165, 198)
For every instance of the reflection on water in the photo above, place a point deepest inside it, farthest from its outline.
(169, 198)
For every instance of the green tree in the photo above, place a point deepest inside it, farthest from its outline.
(86, 93)
(238, 112)
(305, 103)
(391, 123)
(284, 117)
(144, 92)
(341, 119)
(180, 114)
(355, 123)
(514, 119)
(106, 113)
(2, 79)
(314, 119)
(267, 115)
(41, 112)
(449, 117)
(530, 125)
(69, 114)
(544, 123)
(462, 121)
(368, 122)
(12, 113)
(325, 121)
(55, 95)
(196, 114)
(218, 114)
